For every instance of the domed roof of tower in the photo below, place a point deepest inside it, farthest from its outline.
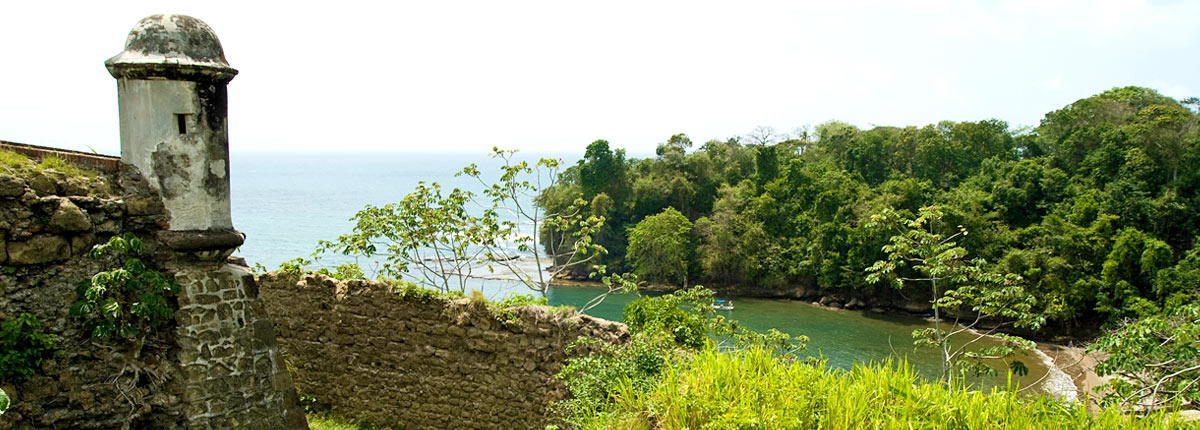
(172, 47)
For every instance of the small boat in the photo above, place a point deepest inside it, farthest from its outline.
(722, 305)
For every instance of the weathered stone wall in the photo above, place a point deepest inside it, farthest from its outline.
(419, 362)
(49, 221)
(234, 375)
(217, 367)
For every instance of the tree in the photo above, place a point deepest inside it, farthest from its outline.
(602, 171)
(1156, 360)
(802, 139)
(865, 154)
(660, 247)
(428, 237)
(766, 161)
(956, 284)
(508, 216)
(764, 135)
(675, 147)
(443, 240)
(680, 141)
(1128, 273)
(732, 240)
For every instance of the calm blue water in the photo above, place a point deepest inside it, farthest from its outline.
(285, 203)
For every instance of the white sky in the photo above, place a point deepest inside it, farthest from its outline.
(556, 75)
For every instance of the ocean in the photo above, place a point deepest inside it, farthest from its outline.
(286, 202)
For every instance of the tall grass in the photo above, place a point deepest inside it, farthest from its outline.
(322, 421)
(62, 165)
(14, 163)
(20, 165)
(754, 389)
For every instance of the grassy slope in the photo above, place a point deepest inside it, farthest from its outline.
(754, 390)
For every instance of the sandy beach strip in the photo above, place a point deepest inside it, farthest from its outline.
(1080, 365)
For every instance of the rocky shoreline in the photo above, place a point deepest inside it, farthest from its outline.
(880, 301)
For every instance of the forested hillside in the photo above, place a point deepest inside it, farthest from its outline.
(1097, 207)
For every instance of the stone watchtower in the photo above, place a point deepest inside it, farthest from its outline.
(171, 83)
(171, 86)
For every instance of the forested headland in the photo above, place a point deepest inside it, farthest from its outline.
(1084, 226)
(1097, 208)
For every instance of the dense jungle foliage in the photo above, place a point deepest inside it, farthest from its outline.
(1098, 207)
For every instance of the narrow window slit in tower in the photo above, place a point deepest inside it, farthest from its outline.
(181, 120)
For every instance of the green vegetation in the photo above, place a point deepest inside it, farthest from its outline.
(321, 421)
(1156, 360)
(755, 389)
(1092, 208)
(299, 266)
(666, 331)
(55, 168)
(13, 162)
(128, 301)
(429, 233)
(664, 381)
(663, 314)
(593, 380)
(432, 237)
(502, 308)
(1095, 213)
(956, 283)
(18, 164)
(23, 347)
(59, 164)
(660, 247)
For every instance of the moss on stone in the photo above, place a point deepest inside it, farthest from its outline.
(62, 175)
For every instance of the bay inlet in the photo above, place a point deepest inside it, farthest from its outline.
(286, 203)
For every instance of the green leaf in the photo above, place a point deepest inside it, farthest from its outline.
(1018, 368)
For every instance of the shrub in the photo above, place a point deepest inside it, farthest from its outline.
(512, 300)
(501, 309)
(649, 314)
(22, 349)
(127, 302)
(593, 379)
(687, 317)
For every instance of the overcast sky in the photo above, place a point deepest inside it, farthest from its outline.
(556, 75)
